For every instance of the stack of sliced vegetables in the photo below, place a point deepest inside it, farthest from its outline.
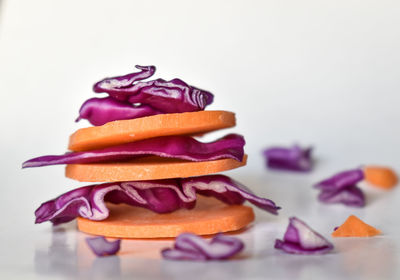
(156, 179)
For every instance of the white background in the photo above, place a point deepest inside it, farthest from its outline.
(321, 73)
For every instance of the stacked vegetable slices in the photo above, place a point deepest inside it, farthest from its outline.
(156, 176)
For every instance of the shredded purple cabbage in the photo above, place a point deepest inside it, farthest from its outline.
(301, 239)
(341, 188)
(99, 111)
(102, 247)
(160, 196)
(173, 96)
(189, 246)
(180, 147)
(349, 196)
(293, 159)
(341, 180)
(115, 84)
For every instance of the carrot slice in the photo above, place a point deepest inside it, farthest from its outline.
(149, 168)
(354, 227)
(208, 217)
(125, 131)
(380, 176)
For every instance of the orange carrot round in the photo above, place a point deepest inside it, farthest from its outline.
(210, 216)
(125, 131)
(380, 176)
(149, 168)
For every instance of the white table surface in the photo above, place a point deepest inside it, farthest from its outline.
(39, 251)
(324, 74)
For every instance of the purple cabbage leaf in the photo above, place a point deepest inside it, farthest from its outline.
(292, 159)
(341, 180)
(179, 147)
(341, 188)
(189, 246)
(102, 247)
(301, 239)
(173, 96)
(116, 86)
(99, 111)
(350, 196)
(160, 196)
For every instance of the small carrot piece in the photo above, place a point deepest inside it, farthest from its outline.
(125, 131)
(354, 227)
(149, 168)
(209, 216)
(380, 176)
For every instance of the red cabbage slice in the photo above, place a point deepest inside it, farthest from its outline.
(160, 196)
(341, 180)
(122, 82)
(293, 159)
(341, 188)
(189, 246)
(99, 111)
(349, 196)
(219, 186)
(173, 96)
(102, 247)
(301, 239)
(180, 147)
(174, 254)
